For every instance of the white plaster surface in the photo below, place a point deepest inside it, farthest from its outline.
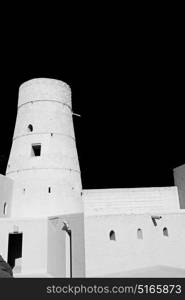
(46, 105)
(6, 190)
(151, 272)
(34, 248)
(42, 192)
(179, 178)
(130, 200)
(76, 224)
(127, 252)
(44, 249)
(44, 89)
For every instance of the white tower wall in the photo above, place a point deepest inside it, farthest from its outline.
(50, 183)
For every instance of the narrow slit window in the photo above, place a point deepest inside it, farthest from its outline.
(36, 150)
(112, 235)
(5, 209)
(49, 189)
(165, 231)
(139, 234)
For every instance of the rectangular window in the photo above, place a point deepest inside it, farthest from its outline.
(36, 150)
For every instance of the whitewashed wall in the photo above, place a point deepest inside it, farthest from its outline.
(179, 178)
(127, 252)
(6, 190)
(130, 200)
(48, 184)
(34, 244)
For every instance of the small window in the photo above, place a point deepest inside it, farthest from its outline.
(49, 189)
(24, 190)
(36, 150)
(139, 234)
(5, 209)
(165, 231)
(112, 235)
(30, 128)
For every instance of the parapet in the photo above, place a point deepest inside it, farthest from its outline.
(131, 201)
(45, 89)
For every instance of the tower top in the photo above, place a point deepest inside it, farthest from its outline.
(39, 89)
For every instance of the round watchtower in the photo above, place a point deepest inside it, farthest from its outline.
(43, 160)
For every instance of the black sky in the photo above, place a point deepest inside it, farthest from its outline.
(128, 91)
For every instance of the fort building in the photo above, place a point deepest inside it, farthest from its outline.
(51, 227)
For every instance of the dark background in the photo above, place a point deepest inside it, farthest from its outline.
(127, 85)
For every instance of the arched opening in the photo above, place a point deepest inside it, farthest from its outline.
(139, 234)
(112, 235)
(30, 128)
(165, 231)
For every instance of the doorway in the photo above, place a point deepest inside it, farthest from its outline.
(14, 248)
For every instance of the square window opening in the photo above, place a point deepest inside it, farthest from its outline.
(36, 150)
